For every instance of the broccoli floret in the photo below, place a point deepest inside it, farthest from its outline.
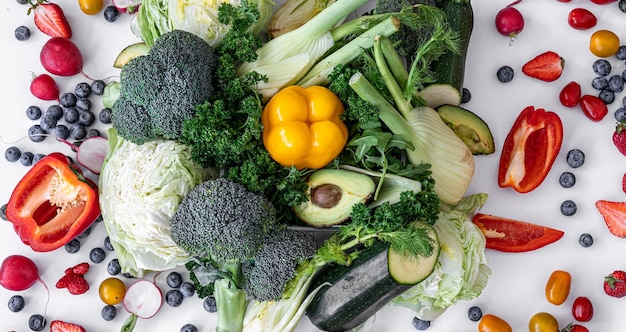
(164, 86)
(266, 278)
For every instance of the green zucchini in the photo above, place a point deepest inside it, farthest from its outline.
(450, 67)
(375, 277)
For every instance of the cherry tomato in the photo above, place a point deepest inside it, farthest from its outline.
(558, 286)
(604, 43)
(112, 290)
(91, 7)
(570, 94)
(602, 2)
(582, 309)
(493, 323)
(581, 19)
(575, 328)
(593, 107)
(543, 322)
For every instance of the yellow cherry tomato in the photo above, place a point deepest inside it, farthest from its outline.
(558, 286)
(112, 290)
(493, 323)
(543, 322)
(604, 43)
(91, 7)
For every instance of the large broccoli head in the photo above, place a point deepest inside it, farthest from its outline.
(164, 86)
(221, 219)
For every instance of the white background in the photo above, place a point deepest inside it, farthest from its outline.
(516, 288)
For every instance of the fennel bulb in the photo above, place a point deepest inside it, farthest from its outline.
(140, 188)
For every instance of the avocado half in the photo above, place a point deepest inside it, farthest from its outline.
(469, 127)
(130, 52)
(332, 193)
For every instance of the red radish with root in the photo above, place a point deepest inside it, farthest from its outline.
(44, 87)
(127, 6)
(60, 56)
(90, 153)
(509, 21)
(142, 299)
(18, 273)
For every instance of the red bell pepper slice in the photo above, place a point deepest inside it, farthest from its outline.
(530, 149)
(52, 204)
(510, 235)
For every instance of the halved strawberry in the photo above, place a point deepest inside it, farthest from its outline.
(614, 214)
(50, 19)
(624, 182)
(619, 137)
(61, 326)
(547, 66)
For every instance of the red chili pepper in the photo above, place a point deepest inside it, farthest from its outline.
(510, 235)
(530, 149)
(52, 204)
(593, 107)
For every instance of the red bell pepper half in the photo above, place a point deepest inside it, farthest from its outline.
(52, 204)
(530, 149)
(510, 235)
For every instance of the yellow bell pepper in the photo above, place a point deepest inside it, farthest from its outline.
(302, 127)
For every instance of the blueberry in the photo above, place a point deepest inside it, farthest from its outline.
(38, 157)
(3, 212)
(624, 99)
(93, 132)
(37, 322)
(599, 83)
(16, 303)
(474, 313)
(87, 231)
(107, 244)
(621, 53)
(82, 90)
(105, 115)
(585, 240)
(26, 159)
(61, 131)
(174, 298)
(616, 83)
(108, 312)
(12, 154)
(189, 328)
(111, 13)
(114, 268)
(466, 95)
(575, 158)
(83, 104)
(622, 5)
(78, 131)
(22, 2)
(73, 246)
(567, 179)
(97, 87)
(568, 208)
(602, 67)
(55, 111)
(99, 219)
(74, 148)
(128, 275)
(36, 133)
(174, 279)
(607, 96)
(420, 324)
(22, 33)
(209, 304)
(33, 112)
(620, 114)
(505, 74)
(187, 289)
(47, 122)
(68, 99)
(71, 115)
(97, 255)
(624, 75)
(86, 118)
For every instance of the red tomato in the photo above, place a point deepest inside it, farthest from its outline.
(581, 19)
(558, 287)
(570, 95)
(492, 323)
(575, 328)
(514, 236)
(593, 107)
(582, 309)
(602, 2)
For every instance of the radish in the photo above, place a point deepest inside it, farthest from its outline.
(127, 6)
(90, 153)
(143, 299)
(18, 273)
(44, 87)
(509, 21)
(60, 56)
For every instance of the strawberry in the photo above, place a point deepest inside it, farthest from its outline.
(61, 326)
(75, 283)
(615, 284)
(547, 66)
(44, 87)
(624, 182)
(614, 214)
(619, 137)
(50, 19)
(80, 269)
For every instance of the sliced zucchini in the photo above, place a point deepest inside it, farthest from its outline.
(436, 95)
(469, 127)
(130, 52)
